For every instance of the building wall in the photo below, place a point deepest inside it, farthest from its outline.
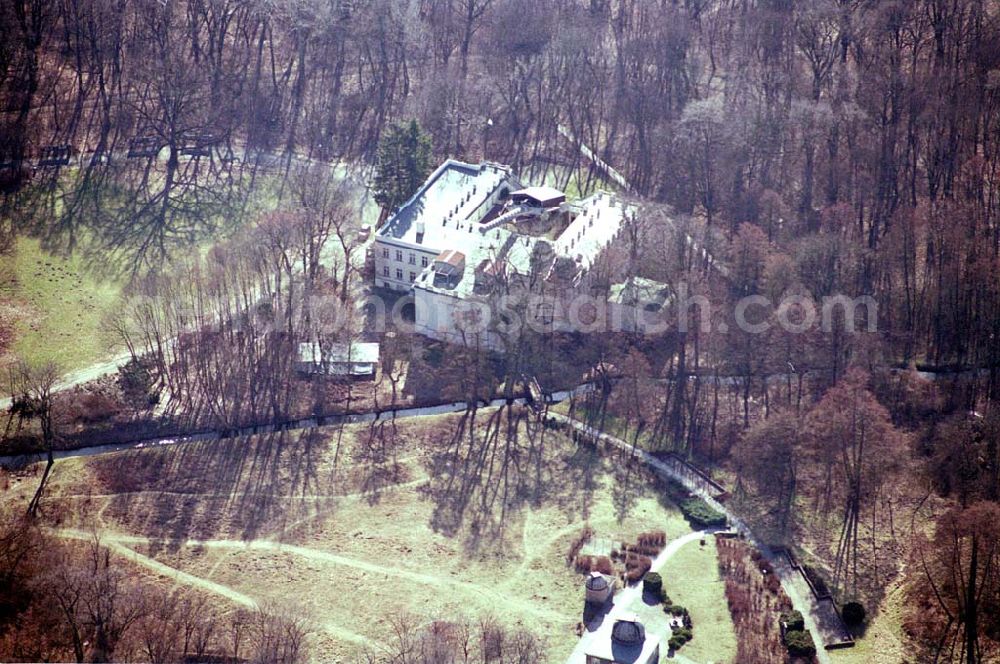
(396, 261)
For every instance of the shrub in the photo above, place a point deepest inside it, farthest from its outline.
(678, 610)
(853, 613)
(800, 643)
(684, 633)
(578, 542)
(652, 583)
(676, 642)
(636, 566)
(793, 621)
(584, 564)
(698, 512)
(603, 565)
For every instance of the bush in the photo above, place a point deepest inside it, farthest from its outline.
(793, 621)
(853, 613)
(685, 634)
(676, 642)
(603, 565)
(678, 610)
(800, 643)
(652, 584)
(698, 512)
(578, 542)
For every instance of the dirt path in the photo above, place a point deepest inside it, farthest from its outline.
(116, 543)
(485, 596)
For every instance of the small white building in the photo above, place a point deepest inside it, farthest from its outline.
(354, 360)
(624, 642)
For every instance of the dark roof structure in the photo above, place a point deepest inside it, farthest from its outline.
(628, 632)
(596, 581)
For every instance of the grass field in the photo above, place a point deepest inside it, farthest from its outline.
(59, 307)
(307, 522)
(692, 580)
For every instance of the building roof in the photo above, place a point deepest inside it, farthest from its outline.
(596, 581)
(594, 228)
(543, 194)
(624, 642)
(639, 292)
(451, 257)
(451, 194)
(628, 631)
(341, 353)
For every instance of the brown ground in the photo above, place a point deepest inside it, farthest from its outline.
(317, 526)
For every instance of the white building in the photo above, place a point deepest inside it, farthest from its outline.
(472, 233)
(355, 359)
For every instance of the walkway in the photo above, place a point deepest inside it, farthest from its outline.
(803, 605)
(624, 600)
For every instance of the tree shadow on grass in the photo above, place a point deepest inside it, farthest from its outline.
(225, 488)
(495, 464)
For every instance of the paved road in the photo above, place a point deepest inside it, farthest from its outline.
(798, 602)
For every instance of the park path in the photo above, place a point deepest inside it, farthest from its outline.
(442, 583)
(800, 603)
(118, 545)
(625, 599)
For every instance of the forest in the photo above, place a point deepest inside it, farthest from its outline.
(814, 149)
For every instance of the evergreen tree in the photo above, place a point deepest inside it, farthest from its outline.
(402, 164)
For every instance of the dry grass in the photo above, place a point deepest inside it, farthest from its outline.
(351, 542)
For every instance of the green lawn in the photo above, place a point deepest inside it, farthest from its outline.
(62, 306)
(692, 580)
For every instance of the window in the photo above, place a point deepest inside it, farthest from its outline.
(543, 313)
(413, 258)
(399, 255)
(423, 261)
(385, 271)
(385, 252)
(413, 277)
(399, 274)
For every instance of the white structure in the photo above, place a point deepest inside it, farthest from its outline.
(624, 642)
(637, 304)
(472, 233)
(443, 214)
(357, 360)
(599, 589)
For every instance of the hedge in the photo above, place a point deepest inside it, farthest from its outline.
(800, 643)
(793, 621)
(699, 513)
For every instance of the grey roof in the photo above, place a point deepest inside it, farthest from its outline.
(628, 632)
(452, 192)
(596, 581)
(639, 291)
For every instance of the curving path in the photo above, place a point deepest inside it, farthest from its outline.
(486, 596)
(116, 544)
(625, 599)
(798, 602)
